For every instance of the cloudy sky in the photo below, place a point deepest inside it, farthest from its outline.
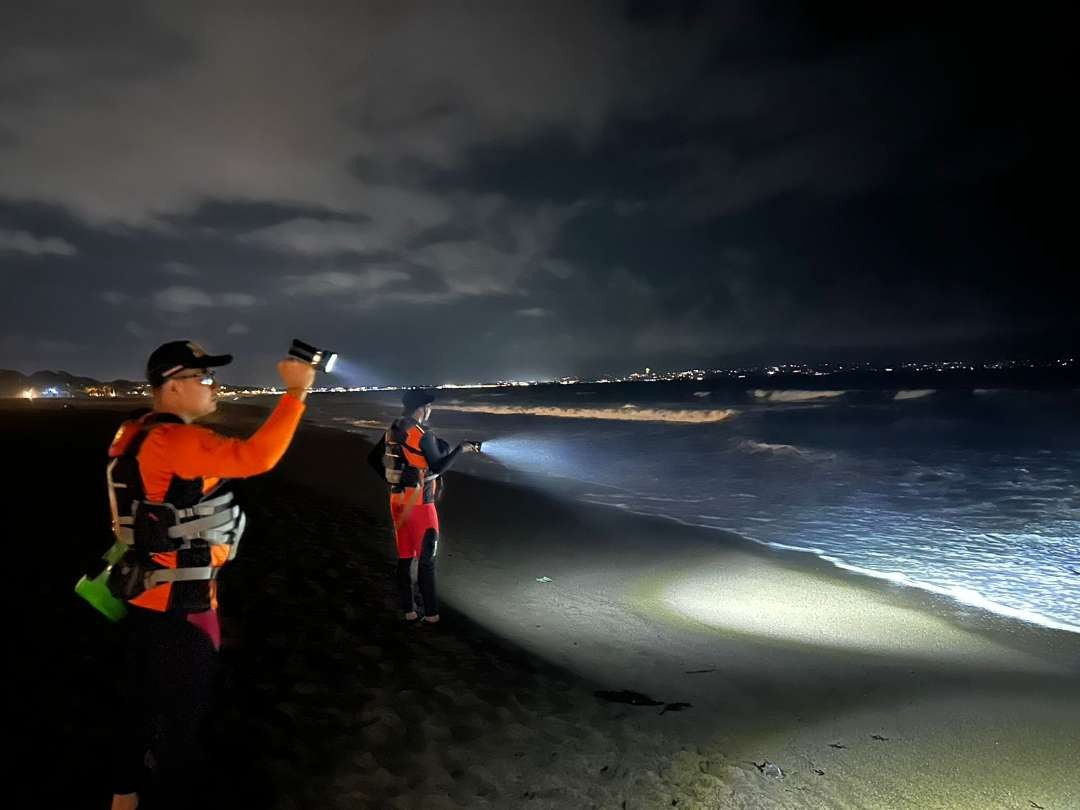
(448, 191)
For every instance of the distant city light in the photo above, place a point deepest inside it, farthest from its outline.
(950, 368)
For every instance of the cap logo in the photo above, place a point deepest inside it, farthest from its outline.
(195, 349)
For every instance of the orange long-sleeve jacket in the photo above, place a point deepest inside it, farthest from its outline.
(187, 451)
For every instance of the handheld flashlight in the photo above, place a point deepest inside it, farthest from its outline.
(322, 359)
(476, 445)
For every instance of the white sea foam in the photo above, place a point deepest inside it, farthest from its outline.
(795, 396)
(627, 413)
(918, 393)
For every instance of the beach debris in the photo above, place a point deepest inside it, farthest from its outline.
(879, 737)
(638, 699)
(770, 769)
(836, 745)
(544, 579)
(675, 707)
(626, 696)
(604, 769)
(1039, 806)
(699, 671)
(819, 772)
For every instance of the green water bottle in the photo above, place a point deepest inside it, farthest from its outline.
(95, 590)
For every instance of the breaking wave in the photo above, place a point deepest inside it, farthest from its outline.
(795, 396)
(627, 413)
(786, 450)
(917, 393)
(364, 423)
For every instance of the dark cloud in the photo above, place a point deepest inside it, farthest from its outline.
(25, 242)
(522, 188)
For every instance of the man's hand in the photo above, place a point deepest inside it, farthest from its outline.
(470, 447)
(297, 376)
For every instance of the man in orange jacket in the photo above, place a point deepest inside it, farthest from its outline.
(182, 529)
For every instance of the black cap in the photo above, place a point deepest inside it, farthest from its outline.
(169, 358)
(415, 399)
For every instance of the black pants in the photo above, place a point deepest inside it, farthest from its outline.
(169, 672)
(424, 578)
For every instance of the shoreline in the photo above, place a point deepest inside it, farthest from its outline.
(951, 600)
(948, 600)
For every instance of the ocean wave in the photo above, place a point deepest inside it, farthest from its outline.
(364, 423)
(627, 413)
(787, 450)
(794, 395)
(917, 393)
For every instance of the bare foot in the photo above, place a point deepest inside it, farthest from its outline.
(411, 616)
(431, 619)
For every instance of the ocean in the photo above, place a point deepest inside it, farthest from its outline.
(974, 494)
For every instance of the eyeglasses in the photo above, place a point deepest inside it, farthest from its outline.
(205, 377)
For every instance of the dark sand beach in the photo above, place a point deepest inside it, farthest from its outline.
(865, 694)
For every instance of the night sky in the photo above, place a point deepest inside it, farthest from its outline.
(460, 191)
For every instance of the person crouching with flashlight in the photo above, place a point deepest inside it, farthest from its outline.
(410, 460)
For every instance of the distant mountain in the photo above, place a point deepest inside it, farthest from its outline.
(14, 383)
(60, 378)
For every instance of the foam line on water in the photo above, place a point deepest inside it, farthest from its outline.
(627, 413)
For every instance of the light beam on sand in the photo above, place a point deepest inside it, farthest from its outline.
(956, 593)
(963, 595)
(809, 608)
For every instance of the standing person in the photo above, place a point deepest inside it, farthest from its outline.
(171, 503)
(411, 459)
